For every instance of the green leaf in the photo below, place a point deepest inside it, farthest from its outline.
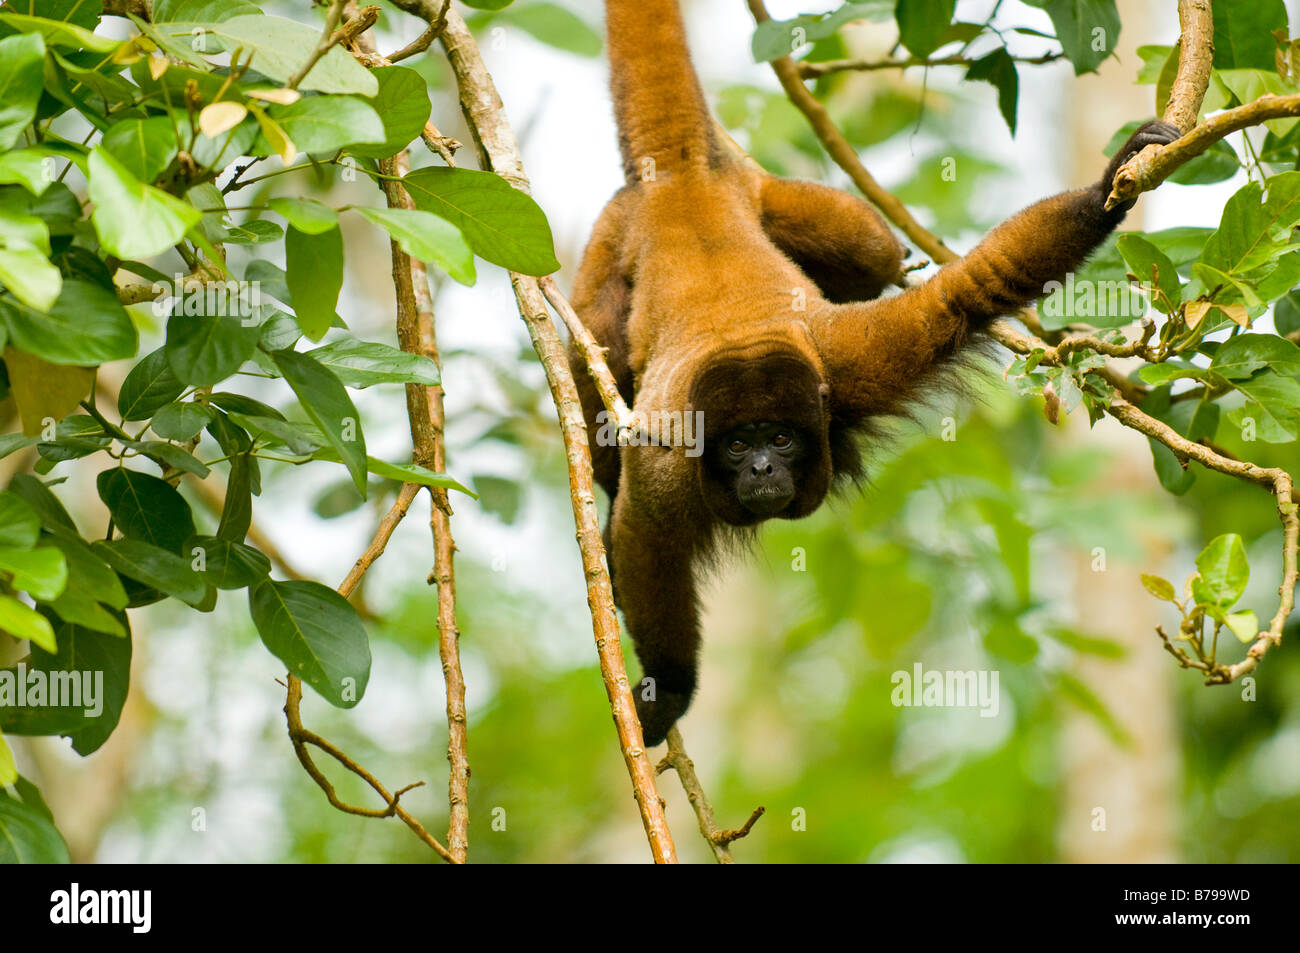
(22, 78)
(157, 568)
(294, 437)
(81, 651)
(151, 385)
(775, 38)
(1251, 233)
(1171, 473)
(922, 24)
(1161, 588)
(27, 836)
(1216, 164)
(999, 69)
(281, 47)
(1223, 568)
(181, 421)
(146, 508)
(27, 272)
(23, 622)
(1244, 625)
(201, 11)
(328, 123)
(306, 215)
(363, 363)
(1273, 403)
(403, 106)
(144, 147)
(169, 455)
(500, 223)
(327, 403)
(134, 220)
(204, 350)
(1154, 269)
(317, 634)
(228, 564)
(87, 325)
(314, 271)
(555, 26)
(414, 473)
(1088, 30)
(1241, 356)
(30, 168)
(20, 526)
(427, 237)
(41, 572)
(60, 33)
(1242, 33)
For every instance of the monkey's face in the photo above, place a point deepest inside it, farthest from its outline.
(761, 462)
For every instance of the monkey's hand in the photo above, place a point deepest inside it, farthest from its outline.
(1153, 133)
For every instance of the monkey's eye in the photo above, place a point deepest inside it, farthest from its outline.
(781, 440)
(738, 446)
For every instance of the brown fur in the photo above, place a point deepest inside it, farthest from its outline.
(718, 288)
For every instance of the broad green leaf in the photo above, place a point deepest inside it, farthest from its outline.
(43, 572)
(33, 169)
(146, 508)
(20, 525)
(87, 325)
(1241, 356)
(327, 403)
(1223, 568)
(27, 272)
(227, 564)
(403, 106)
(500, 223)
(169, 455)
(296, 438)
(44, 391)
(1272, 405)
(157, 568)
(427, 237)
(201, 11)
(151, 385)
(314, 271)
(27, 836)
(182, 420)
(1173, 476)
(144, 147)
(22, 67)
(328, 123)
(362, 363)
(60, 33)
(414, 473)
(1087, 29)
(922, 24)
(204, 350)
(555, 26)
(317, 634)
(23, 622)
(775, 38)
(1242, 33)
(81, 650)
(281, 47)
(1153, 268)
(134, 220)
(306, 215)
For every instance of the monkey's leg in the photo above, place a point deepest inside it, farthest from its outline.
(656, 591)
(836, 239)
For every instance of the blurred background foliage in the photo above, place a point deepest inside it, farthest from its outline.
(977, 552)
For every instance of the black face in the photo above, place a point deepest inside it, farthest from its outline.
(762, 461)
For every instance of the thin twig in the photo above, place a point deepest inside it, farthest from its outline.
(323, 45)
(425, 39)
(719, 839)
(826, 67)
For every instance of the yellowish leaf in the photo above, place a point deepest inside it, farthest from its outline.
(218, 118)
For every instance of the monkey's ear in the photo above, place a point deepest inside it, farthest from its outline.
(837, 240)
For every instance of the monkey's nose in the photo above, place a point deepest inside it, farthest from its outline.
(763, 469)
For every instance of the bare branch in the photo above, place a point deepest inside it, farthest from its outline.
(719, 840)
(826, 67)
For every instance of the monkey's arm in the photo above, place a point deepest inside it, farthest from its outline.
(877, 354)
(836, 239)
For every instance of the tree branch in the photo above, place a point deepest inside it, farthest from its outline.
(826, 67)
(486, 117)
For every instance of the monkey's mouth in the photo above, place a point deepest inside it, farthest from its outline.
(767, 500)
